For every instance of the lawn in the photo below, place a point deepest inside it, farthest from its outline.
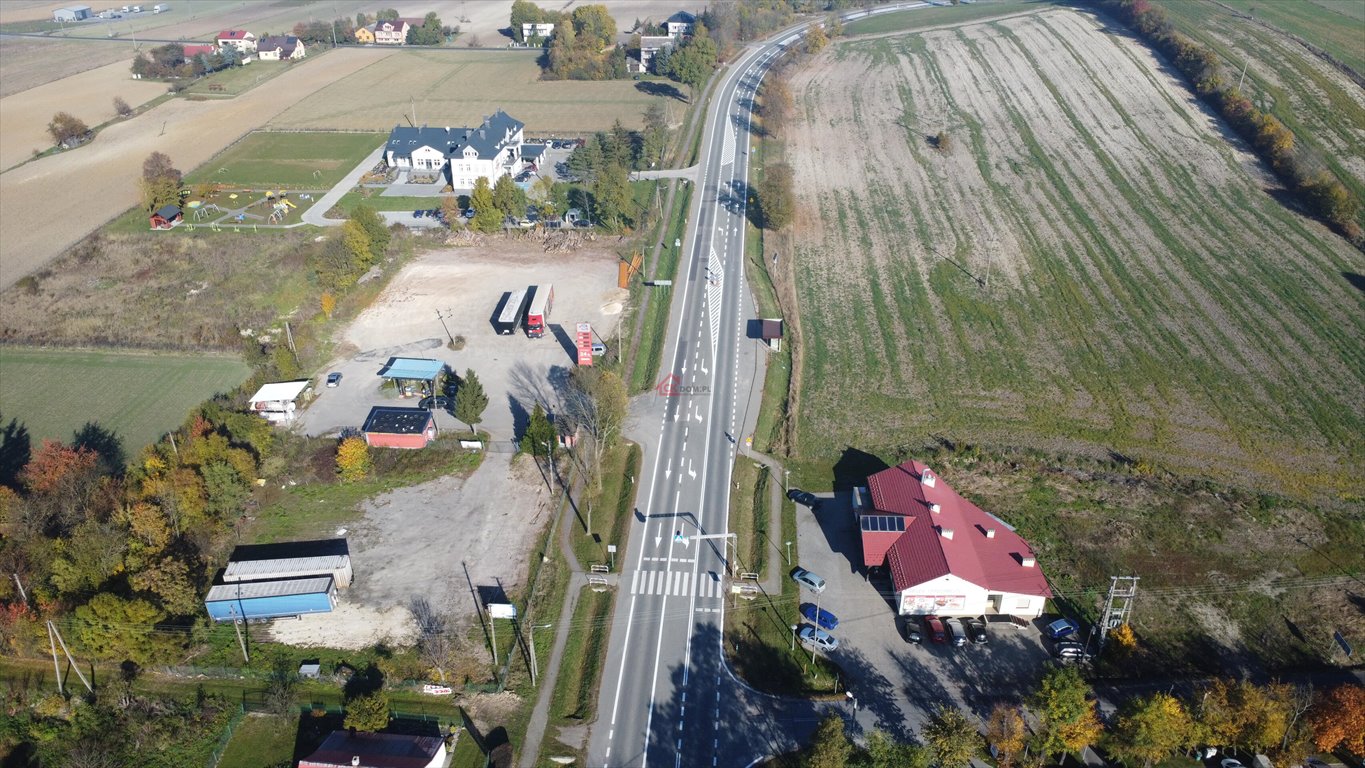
(261, 741)
(460, 88)
(237, 80)
(395, 203)
(54, 392)
(295, 160)
(920, 18)
(575, 696)
(1335, 26)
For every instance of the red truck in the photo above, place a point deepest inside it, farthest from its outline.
(538, 315)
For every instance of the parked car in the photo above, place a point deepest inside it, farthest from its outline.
(1069, 650)
(1062, 628)
(808, 580)
(598, 349)
(418, 214)
(933, 627)
(469, 213)
(442, 402)
(976, 630)
(1231, 762)
(333, 379)
(957, 635)
(913, 635)
(819, 616)
(804, 498)
(817, 638)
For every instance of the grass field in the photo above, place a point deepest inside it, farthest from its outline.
(261, 741)
(235, 80)
(139, 396)
(460, 88)
(1335, 26)
(920, 18)
(1087, 267)
(289, 159)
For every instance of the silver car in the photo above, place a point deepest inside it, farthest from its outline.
(817, 638)
(808, 580)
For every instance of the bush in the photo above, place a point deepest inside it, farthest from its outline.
(353, 459)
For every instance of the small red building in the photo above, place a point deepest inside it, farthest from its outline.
(388, 427)
(360, 749)
(166, 217)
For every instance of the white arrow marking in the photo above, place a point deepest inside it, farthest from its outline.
(657, 539)
(705, 371)
(690, 471)
(684, 369)
(668, 473)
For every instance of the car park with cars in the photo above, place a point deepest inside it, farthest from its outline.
(819, 616)
(817, 638)
(933, 627)
(976, 630)
(808, 580)
(957, 634)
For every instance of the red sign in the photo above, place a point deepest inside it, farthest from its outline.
(584, 341)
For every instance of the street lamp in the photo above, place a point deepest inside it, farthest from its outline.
(794, 628)
(532, 630)
(789, 553)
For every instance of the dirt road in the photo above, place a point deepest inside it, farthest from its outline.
(65, 197)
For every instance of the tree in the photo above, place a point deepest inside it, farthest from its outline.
(450, 209)
(225, 490)
(160, 182)
(386, 14)
(121, 107)
(169, 579)
(1338, 719)
(508, 198)
(952, 738)
(524, 12)
(596, 403)
(942, 143)
(594, 26)
(654, 139)
(279, 690)
(539, 438)
(428, 32)
(358, 245)
(16, 448)
(611, 196)
(368, 218)
(65, 128)
(113, 627)
(158, 165)
(1066, 714)
(470, 400)
(829, 747)
(353, 459)
(487, 217)
(1006, 731)
(884, 752)
(776, 198)
(1152, 729)
(368, 712)
(816, 39)
(694, 62)
(327, 302)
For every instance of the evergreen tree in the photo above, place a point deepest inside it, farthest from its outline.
(470, 400)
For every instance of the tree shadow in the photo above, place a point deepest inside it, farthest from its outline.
(16, 448)
(365, 681)
(1355, 279)
(656, 88)
(853, 468)
(520, 416)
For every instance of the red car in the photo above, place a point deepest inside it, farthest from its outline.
(933, 627)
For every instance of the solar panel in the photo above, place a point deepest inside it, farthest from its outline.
(882, 523)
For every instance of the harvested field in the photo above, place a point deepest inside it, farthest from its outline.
(1146, 296)
(64, 197)
(295, 160)
(89, 96)
(138, 396)
(459, 88)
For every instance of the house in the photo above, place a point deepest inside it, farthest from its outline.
(365, 35)
(391, 32)
(291, 560)
(166, 217)
(388, 427)
(280, 48)
(680, 24)
(242, 40)
(360, 749)
(72, 13)
(490, 151)
(271, 599)
(274, 402)
(945, 555)
(530, 30)
(651, 45)
(197, 49)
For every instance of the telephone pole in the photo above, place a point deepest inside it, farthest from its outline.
(1118, 605)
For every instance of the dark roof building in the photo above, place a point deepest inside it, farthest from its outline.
(487, 140)
(344, 749)
(388, 427)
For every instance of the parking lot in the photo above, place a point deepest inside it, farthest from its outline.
(896, 684)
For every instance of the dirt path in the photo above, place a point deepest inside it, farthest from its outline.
(62, 198)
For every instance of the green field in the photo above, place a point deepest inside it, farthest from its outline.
(920, 18)
(1089, 267)
(266, 159)
(138, 396)
(238, 80)
(1335, 26)
(261, 741)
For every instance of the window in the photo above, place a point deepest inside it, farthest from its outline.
(1023, 603)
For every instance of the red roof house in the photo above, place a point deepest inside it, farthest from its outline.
(195, 49)
(346, 749)
(242, 40)
(945, 555)
(388, 427)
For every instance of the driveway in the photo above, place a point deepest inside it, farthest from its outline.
(897, 684)
(317, 213)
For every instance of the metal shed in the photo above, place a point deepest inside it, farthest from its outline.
(291, 560)
(271, 599)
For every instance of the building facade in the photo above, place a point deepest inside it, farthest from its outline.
(464, 155)
(242, 40)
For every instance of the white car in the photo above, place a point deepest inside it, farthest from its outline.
(817, 638)
(808, 580)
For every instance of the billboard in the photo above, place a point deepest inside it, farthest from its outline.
(930, 604)
(583, 340)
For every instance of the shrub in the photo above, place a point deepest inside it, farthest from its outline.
(353, 459)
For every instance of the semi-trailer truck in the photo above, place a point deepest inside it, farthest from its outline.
(538, 314)
(511, 311)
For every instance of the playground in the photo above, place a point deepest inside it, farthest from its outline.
(245, 207)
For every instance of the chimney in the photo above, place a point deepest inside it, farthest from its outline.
(355, 759)
(447, 129)
(1027, 561)
(935, 508)
(946, 533)
(927, 477)
(990, 533)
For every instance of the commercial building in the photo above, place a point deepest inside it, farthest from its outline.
(271, 599)
(274, 402)
(462, 155)
(291, 560)
(72, 13)
(387, 427)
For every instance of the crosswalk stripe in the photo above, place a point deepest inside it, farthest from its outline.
(635, 583)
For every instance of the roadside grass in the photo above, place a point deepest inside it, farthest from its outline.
(139, 396)
(750, 516)
(758, 637)
(919, 18)
(287, 159)
(574, 701)
(261, 741)
(235, 81)
(648, 353)
(610, 509)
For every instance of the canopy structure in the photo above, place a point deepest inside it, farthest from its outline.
(279, 391)
(413, 368)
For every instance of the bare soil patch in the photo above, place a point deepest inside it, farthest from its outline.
(1092, 265)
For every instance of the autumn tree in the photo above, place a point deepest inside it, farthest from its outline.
(368, 712)
(121, 107)
(327, 302)
(1005, 730)
(776, 197)
(160, 182)
(66, 127)
(1152, 729)
(816, 39)
(169, 580)
(450, 211)
(951, 737)
(1066, 714)
(487, 217)
(470, 399)
(596, 403)
(353, 459)
(358, 246)
(112, 627)
(1338, 719)
(775, 103)
(829, 747)
(369, 219)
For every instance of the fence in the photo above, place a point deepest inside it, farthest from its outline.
(217, 754)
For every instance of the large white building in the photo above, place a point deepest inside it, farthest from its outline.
(462, 155)
(946, 556)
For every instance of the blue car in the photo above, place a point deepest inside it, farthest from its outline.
(1062, 628)
(819, 616)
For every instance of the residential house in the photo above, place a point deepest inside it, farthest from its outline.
(361, 749)
(531, 30)
(242, 40)
(280, 48)
(392, 32)
(491, 151)
(73, 13)
(388, 427)
(680, 24)
(166, 217)
(945, 555)
(198, 49)
(365, 35)
(650, 45)
(274, 402)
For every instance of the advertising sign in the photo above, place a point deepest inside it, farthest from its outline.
(583, 340)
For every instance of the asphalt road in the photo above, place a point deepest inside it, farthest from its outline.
(667, 697)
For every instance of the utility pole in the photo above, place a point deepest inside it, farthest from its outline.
(493, 628)
(232, 611)
(442, 318)
(20, 585)
(1118, 605)
(52, 641)
(1243, 78)
(74, 666)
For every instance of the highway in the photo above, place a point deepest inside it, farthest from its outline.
(667, 697)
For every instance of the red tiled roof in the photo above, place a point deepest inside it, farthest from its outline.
(233, 34)
(194, 50)
(375, 750)
(983, 549)
(875, 545)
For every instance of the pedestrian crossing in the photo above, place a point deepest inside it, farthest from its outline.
(676, 584)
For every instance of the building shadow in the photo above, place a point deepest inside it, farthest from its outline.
(853, 468)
